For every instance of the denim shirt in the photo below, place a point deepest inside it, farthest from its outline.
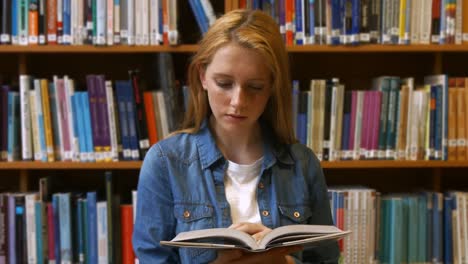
(181, 188)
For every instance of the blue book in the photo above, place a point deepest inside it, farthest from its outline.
(78, 119)
(38, 208)
(449, 206)
(87, 124)
(302, 118)
(346, 128)
(311, 8)
(443, 22)
(57, 231)
(441, 81)
(432, 122)
(65, 227)
(79, 247)
(131, 119)
(393, 96)
(66, 11)
(356, 21)
(13, 126)
(123, 119)
(84, 222)
(299, 20)
(295, 104)
(437, 229)
(91, 198)
(200, 17)
(336, 21)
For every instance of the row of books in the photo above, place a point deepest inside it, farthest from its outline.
(67, 227)
(424, 227)
(395, 119)
(108, 121)
(100, 22)
(95, 226)
(337, 22)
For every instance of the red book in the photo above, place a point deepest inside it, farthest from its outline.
(150, 117)
(51, 231)
(126, 214)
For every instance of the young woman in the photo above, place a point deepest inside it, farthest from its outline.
(236, 162)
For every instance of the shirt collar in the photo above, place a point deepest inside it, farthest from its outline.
(209, 153)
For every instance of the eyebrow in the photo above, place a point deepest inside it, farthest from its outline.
(223, 75)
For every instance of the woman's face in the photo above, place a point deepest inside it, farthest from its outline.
(238, 84)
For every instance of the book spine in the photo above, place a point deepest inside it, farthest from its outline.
(102, 232)
(123, 121)
(42, 23)
(23, 15)
(26, 136)
(51, 22)
(31, 228)
(92, 227)
(66, 22)
(88, 130)
(103, 117)
(33, 19)
(110, 23)
(111, 110)
(6, 14)
(51, 233)
(47, 120)
(13, 126)
(116, 22)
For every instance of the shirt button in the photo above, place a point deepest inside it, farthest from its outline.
(265, 213)
(186, 214)
(260, 185)
(297, 214)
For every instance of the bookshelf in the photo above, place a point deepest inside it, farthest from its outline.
(307, 62)
(355, 65)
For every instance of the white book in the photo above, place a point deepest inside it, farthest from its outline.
(305, 235)
(40, 120)
(155, 35)
(101, 8)
(58, 88)
(110, 23)
(114, 153)
(425, 22)
(458, 22)
(321, 117)
(72, 153)
(163, 115)
(117, 22)
(145, 19)
(102, 232)
(358, 125)
(415, 21)
(31, 229)
(138, 22)
(134, 204)
(131, 22)
(173, 33)
(35, 126)
(73, 21)
(25, 118)
(208, 9)
(81, 29)
(410, 83)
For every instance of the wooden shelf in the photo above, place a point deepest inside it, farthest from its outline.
(378, 48)
(135, 165)
(97, 49)
(382, 164)
(36, 165)
(193, 47)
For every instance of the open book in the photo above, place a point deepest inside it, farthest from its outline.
(224, 238)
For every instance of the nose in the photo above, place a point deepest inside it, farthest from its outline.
(238, 97)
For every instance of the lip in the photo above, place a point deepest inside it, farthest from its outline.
(236, 117)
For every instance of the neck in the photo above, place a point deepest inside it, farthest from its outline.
(244, 147)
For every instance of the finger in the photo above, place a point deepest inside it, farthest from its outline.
(251, 228)
(258, 236)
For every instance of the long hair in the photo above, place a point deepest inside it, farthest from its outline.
(253, 30)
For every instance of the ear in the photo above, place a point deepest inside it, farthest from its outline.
(201, 75)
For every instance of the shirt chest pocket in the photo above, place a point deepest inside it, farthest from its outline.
(194, 217)
(294, 214)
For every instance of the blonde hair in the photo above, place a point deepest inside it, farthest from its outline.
(253, 30)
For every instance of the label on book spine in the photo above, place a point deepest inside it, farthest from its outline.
(144, 143)
(5, 38)
(465, 37)
(364, 37)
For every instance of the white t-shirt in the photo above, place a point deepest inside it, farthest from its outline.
(241, 182)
